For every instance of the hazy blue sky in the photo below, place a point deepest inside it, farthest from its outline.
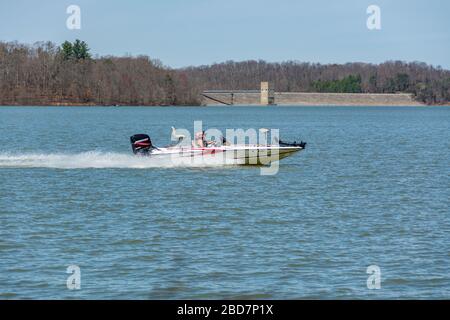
(195, 32)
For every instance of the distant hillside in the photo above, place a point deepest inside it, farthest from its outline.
(426, 83)
(45, 73)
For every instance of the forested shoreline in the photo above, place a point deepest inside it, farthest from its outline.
(49, 74)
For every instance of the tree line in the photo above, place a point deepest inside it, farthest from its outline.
(47, 74)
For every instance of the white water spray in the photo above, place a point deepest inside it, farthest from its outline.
(95, 159)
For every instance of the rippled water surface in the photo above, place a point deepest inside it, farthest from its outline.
(372, 188)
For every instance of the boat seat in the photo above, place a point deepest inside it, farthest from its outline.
(176, 136)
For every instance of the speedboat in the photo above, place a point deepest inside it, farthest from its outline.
(241, 154)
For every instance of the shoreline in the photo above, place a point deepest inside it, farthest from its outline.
(223, 106)
(254, 98)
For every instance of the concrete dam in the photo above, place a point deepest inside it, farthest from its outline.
(267, 96)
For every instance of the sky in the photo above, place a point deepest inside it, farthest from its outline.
(197, 32)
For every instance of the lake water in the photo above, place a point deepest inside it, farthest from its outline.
(372, 188)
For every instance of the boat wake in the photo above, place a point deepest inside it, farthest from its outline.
(98, 159)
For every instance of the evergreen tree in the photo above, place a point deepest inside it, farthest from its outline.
(67, 50)
(81, 50)
(84, 53)
(350, 84)
(402, 81)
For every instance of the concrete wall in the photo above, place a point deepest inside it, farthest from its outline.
(346, 99)
(238, 98)
(318, 99)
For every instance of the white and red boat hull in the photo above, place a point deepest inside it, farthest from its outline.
(243, 155)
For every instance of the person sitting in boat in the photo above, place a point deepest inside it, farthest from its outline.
(225, 142)
(200, 140)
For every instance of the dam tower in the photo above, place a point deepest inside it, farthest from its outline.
(267, 94)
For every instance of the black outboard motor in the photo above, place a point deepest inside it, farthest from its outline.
(141, 144)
